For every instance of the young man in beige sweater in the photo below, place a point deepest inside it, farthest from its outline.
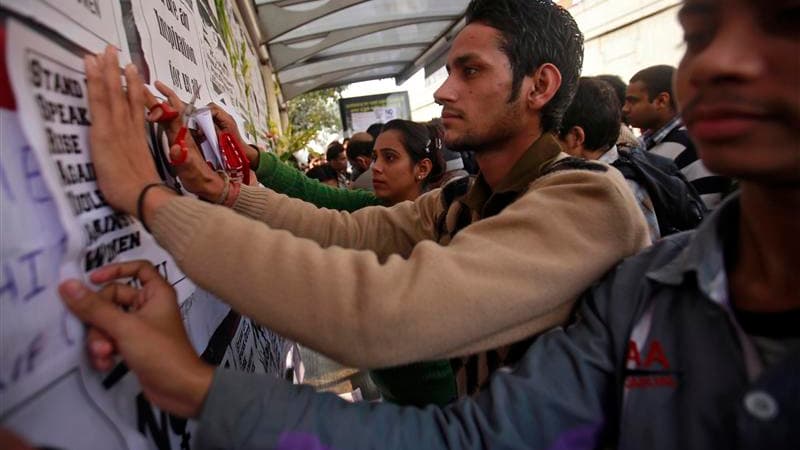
(447, 275)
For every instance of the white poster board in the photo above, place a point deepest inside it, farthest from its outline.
(188, 43)
(61, 227)
(91, 23)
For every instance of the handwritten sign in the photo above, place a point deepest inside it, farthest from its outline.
(37, 335)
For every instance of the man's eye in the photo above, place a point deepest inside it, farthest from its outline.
(784, 22)
(470, 71)
(696, 41)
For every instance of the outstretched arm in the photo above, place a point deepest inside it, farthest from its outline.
(506, 272)
(281, 177)
(562, 394)
(500, 279)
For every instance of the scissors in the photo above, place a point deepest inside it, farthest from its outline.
(168, 113)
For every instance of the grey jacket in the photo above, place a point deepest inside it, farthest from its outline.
(653, 360)
(363, 181)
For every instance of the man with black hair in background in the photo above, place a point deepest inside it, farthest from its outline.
(626, 137)
(359, 153)
(650, 106)
(590, 130)
(336, 156)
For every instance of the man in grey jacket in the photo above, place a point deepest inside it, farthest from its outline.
(692, 344)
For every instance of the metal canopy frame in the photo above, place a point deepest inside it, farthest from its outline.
(315, 44)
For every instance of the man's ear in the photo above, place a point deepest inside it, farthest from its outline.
(546, 82)
(580, 135)
(364, 161)
(572, 142)
(662, 100)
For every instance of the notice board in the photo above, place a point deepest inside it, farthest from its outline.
(358, 113)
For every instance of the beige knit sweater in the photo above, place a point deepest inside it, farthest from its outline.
(408, 299)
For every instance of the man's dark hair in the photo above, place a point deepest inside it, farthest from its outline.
(535, 32)
(595, 109)
(617, 84)
(334, 149)
(322, 173)
(375, 129)
(657, 79)
(360, 145)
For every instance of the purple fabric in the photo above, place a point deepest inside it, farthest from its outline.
(300, 441)
(584, 437)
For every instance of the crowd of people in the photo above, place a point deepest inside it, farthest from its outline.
(553, 300)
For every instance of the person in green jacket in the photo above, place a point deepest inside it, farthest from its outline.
(407, 160)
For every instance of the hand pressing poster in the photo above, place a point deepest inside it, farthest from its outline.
(61, 227)
(50, 88)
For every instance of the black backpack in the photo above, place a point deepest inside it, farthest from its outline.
(677, 204)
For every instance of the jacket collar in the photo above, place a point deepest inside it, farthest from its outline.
(704, 256)
(653, 138)
(528, 168)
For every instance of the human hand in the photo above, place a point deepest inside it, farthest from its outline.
(11, 441)
(223, 120)
(195, 175)
(150, 335)
(119, 149)
(227, 124)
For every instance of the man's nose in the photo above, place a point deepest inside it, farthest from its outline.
(733, 54)
(445, 93)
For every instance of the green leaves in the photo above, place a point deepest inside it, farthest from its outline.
(310, 115)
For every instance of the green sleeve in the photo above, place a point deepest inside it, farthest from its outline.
(416, 384)
(281, 177)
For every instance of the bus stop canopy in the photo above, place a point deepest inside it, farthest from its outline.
(314, 44)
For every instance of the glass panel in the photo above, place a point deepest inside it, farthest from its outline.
(372, 74)
(347, 62)
(291, 3)
(422, 34)
(374, 11)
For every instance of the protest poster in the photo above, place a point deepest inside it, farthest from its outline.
(63, 228)
(92, 24)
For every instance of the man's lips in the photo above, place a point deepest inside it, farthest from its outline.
(450, 115)
(722, 122)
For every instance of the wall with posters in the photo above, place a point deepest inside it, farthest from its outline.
(55, 223)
